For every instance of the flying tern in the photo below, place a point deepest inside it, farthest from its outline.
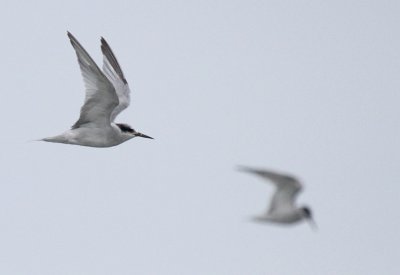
(107, 94)
(282, 208)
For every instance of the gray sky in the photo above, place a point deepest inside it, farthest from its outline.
(308, 87)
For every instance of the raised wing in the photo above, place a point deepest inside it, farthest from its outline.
(101, 98)
(287, 188)
(113, 71)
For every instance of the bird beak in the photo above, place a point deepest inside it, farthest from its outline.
(312, 224)
(143, 135)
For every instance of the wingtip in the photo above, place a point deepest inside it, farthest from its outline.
(108, 53)
(71, 37)
(103, 43)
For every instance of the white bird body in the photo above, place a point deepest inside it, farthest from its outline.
(288, 217)
(107, 94)
(282, 208)
(93, 137)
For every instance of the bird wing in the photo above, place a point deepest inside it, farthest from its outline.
(101, 98)
(287, 188)
(113, 71)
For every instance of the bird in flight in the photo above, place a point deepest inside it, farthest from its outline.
(282, 208)
(107, 95)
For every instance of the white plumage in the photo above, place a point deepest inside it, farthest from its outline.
(107, 94)
(282, 208)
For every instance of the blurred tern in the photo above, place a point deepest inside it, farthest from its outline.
(107, 94)
(282, 208)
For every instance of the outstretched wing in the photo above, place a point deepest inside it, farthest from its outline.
(100, 99)
(287, 188)
(113, 71)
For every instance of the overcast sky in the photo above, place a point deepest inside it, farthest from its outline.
(307, 87)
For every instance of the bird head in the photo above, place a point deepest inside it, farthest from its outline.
(127, 132)
(307, 215)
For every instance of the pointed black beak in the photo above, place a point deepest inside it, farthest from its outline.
(143, 136)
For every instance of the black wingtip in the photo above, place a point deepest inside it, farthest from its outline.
(104, 43)
(70, 35)
(107, 51)
(72, 38)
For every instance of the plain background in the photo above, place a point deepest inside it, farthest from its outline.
(307, 87)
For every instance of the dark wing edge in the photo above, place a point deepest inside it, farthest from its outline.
(88, 69)
(273, 176)
(108, 53)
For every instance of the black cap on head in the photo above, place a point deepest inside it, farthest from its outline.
(125, 128)
(306, 212)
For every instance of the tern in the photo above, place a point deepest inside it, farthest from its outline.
(107, 95)
(282, 208)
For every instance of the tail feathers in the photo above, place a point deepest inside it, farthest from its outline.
(41, 139)
(57, 139)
